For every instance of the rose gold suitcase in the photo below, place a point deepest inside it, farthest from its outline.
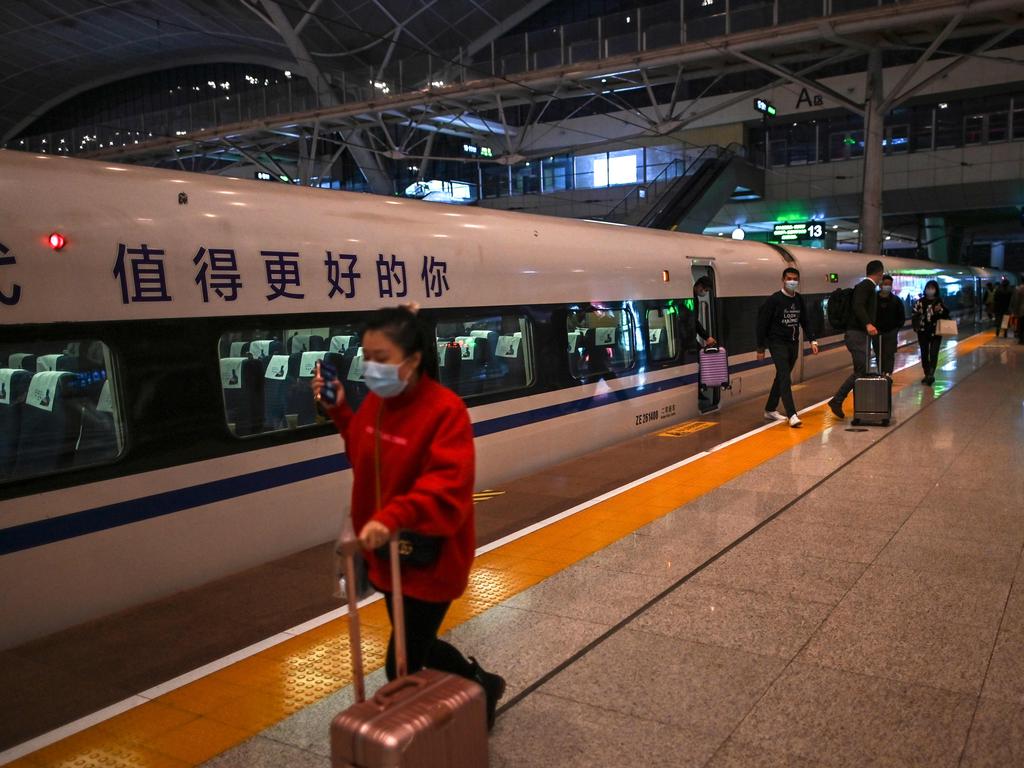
(423, 720)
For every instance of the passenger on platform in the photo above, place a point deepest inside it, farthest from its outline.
(778, 330)
(701, 288)
(928, 310)
(1001, 305)
(410, 445)
(891, 317)
(990, 294)
(859, 327)
(1017, 311)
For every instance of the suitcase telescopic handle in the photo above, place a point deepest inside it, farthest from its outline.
(347, 547)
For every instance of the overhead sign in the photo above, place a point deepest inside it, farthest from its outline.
(472, 149)
(763, 106)
(799, 231)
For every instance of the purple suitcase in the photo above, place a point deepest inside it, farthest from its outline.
(422, 720)
(714, 367)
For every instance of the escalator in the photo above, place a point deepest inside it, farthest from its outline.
(693, 199)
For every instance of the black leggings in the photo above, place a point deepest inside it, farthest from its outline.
(929, 352)
(422, 621)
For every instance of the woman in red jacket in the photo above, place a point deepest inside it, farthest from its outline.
(410, 445)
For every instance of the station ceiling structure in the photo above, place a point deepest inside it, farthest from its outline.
(382, 78)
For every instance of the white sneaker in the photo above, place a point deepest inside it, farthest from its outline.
(794, 421)
(773, 416)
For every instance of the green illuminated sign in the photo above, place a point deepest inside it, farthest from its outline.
(800, 231)
(764, 107)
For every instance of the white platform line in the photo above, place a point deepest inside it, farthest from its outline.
(124, 705)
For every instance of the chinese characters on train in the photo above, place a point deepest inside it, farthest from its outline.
(142, 276)
(12, 295)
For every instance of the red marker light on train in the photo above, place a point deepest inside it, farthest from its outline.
(57, 241)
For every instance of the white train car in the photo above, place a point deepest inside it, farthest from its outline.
(159, 330)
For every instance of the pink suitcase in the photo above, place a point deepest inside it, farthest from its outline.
(714, 367)
(422, 720)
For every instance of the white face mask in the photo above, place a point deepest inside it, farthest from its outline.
(383, 379)
(792, 285)
(886, 290)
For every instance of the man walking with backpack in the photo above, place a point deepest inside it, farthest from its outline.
(860, 325)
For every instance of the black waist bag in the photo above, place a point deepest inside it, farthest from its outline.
(414, 549)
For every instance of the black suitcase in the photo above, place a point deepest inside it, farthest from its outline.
(872, 393)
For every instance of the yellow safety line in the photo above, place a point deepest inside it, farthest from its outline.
(198, 721)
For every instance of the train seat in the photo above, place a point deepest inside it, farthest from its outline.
(306, 342)
(352, 378)
(242, 384)
(657, 344)
(278, 379)
(262, 349)
(239, 349)
(510, 352)
(50, 424)
(340, 344)
(98, 439)
(24, 360)
(13, 388)
(301, 397)
(58, 362)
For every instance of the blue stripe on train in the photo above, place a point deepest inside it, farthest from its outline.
(43, 532)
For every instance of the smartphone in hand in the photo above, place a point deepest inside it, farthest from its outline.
(329, 394)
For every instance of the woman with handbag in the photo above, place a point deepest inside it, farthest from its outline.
(928, 310)
(410, 445)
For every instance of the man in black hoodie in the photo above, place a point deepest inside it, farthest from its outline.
(1001, 305)
(891, 317)
(859, 327)
(778, 328)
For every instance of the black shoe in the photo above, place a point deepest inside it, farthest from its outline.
(930, 380)
(924, 380)
(837, 409)
(494, 689)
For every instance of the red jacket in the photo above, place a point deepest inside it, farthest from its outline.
(427, 466)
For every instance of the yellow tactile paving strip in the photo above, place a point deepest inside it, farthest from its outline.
(192, 724)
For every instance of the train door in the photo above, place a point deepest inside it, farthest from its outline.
(708, 398)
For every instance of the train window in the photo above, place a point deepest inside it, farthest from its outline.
(266, 375)
(662, 334)
(58, 407)
(599, 341)
(485, 354)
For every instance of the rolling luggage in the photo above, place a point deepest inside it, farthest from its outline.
(872, 394)
(425, 719)
(714, 367)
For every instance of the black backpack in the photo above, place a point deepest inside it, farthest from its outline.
(840, 308)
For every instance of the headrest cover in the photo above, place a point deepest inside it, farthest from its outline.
(604, 336)
(231, 372)
(355, 371)
(508, 346)
(467, 344)
(340, 343)
(236, 348)
(655, 337)
(42, 392)
(6, 374)
(307, 366)
(260, 348)
(106, 402)
(277, 368)
(15, 360)
(47, 362)
(300, 342)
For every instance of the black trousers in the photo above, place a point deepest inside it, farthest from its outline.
(422, 621)
(857, 345)
(929, 352)
(784, 354)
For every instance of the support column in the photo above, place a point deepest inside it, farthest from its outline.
(936, 238)
(871, 201)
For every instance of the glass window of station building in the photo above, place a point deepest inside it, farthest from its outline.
(924, 127)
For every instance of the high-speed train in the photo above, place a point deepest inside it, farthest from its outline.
(159, 330)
